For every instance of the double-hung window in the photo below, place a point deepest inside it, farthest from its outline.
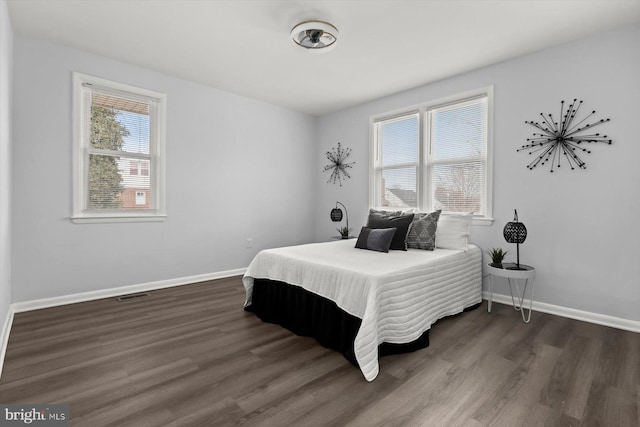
(119, 133)
(435, 156)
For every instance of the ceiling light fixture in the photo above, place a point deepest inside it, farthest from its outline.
(318, 36)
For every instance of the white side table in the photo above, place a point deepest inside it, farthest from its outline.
(525, 273)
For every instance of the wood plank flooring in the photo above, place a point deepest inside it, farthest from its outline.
(190, 356)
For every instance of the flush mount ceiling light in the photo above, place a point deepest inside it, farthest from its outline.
(316, 36)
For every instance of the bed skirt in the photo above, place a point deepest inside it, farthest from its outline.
(307, 314)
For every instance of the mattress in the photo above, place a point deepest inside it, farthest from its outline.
(398, 295)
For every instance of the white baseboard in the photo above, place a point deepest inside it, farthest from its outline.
(19, 307)
(571, 313)
(4, 336)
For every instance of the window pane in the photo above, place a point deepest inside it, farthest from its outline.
(133, 167)
(112, 186)
(458, 187)
(459, 131)
(399, 187)
(119, 124)
(119, 182)
(458, 176)
(400, 141)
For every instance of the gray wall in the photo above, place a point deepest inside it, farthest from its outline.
(583, 238)
(236, 168)
(6, 66)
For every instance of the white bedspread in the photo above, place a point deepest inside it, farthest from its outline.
(398, 295)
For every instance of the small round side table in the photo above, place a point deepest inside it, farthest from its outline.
(508, 270)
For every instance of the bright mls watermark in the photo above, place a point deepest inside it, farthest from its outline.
(34, 415)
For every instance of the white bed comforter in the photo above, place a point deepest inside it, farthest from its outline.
(398, 295)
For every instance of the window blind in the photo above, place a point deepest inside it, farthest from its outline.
(435, 156)
(399, 161)
(457, 159)
(120, 163)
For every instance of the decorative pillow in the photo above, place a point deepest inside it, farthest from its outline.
(422, 231)
(375, 239)
(453, 231)
(392, 220)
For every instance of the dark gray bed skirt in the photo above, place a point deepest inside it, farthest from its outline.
(307, 314)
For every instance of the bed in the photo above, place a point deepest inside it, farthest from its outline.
(361, 302)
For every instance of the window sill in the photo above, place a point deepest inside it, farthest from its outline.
(485, 222)
(87, 219)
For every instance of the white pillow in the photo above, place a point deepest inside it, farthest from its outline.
(453, 231)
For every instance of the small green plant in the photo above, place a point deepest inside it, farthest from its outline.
(344, 232)
(497, 255)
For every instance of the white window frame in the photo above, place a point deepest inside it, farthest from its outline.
(424, 203)
(82, 87)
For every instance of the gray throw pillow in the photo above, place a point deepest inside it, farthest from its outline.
(375, 239)
(422, 231)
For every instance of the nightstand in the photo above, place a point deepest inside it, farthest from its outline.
(508, 270)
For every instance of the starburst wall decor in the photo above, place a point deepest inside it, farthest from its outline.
(563, 139)
(338, 166)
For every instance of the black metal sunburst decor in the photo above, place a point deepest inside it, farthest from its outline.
(563, 139)
(338, 166)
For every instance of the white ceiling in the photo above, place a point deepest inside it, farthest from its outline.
(385, 46)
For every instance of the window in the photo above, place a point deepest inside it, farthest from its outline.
(435, 156)
(118, 152)
(133, 167)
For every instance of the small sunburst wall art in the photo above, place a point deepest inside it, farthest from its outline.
(565, 138)
(338, 164)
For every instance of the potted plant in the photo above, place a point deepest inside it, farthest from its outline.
(497, 256)
(344, 232)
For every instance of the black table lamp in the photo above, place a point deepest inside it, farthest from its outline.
(515, 232)
(336, 216)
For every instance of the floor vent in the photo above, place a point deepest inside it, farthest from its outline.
(132, 296)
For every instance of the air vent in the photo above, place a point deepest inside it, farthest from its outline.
(132, 296)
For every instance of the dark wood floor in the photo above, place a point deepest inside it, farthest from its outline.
(191, 356)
